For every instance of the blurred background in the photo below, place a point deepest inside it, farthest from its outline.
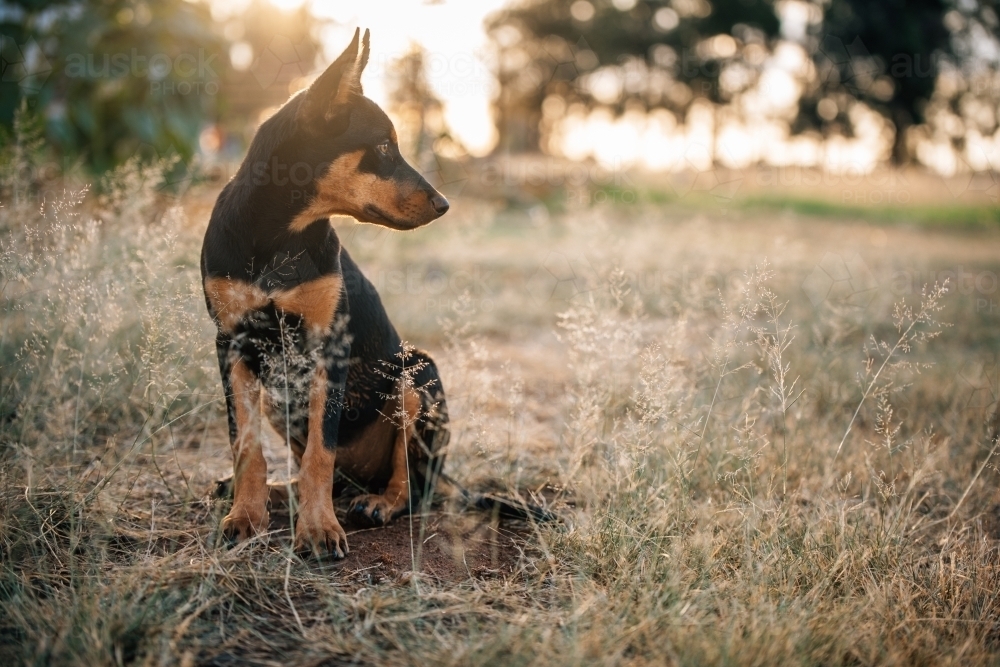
(726, 88)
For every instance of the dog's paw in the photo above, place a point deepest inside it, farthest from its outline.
(317, 531)
(242, 523)
(375, 510)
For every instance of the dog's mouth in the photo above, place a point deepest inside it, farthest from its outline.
(377, 216)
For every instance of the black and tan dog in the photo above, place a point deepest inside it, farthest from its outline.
(303, 338)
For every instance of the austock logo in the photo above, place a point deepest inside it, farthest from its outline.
(447, 176)
(569, 61)
(851, 63)
(281, 61)
(698, 175)
(979, 387)
(840, 281)
(558, 279)
(24, 64)
(972, 179)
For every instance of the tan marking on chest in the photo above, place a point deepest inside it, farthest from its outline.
(314, 301)
(231, 300)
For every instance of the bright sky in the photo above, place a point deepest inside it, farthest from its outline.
(451, 31)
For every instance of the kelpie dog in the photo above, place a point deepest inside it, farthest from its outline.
(303, 337)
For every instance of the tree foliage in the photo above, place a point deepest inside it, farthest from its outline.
(888, 54)
(558, 47)
(113, 78)
(418, 112)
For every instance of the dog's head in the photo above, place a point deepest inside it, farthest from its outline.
(361, 172)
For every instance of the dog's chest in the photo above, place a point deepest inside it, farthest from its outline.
(236, 304)
(298, 277)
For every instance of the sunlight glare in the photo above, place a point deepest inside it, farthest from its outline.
(287, 4)
(453, 36)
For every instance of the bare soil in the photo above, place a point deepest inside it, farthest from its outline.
(445, 547)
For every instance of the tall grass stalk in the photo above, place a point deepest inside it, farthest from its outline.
(930, 304)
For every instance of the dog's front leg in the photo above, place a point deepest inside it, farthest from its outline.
(317, 528)
(248, 514)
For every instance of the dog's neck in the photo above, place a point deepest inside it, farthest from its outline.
(271, 188)
(272, 208)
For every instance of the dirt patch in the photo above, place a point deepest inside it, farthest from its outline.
(453, 548)
(440, 545)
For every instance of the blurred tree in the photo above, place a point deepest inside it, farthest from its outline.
(419, 113)
(273, 53)
(964, 106)
(889, 54)
(113, 78)
(664, 53)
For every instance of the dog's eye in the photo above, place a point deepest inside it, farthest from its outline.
(383, 148)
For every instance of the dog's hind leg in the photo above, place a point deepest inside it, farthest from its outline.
(419, 449)
(248, 514)
(379, 509)
(433, 431)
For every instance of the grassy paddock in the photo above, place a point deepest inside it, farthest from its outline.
(958, 217)
(769, 439)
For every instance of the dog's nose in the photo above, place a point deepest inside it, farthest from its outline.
(440, 204)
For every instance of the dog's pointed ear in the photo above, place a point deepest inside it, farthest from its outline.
(351, 84)
(337, 84)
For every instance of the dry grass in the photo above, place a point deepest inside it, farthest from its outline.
(664, 379)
